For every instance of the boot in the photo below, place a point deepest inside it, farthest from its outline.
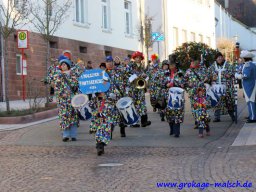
(171, 128)
(176, 129)
(112, 129)
(144, 121)
(100, 148)
(231, 114)
(162, 116)
(122, 130)
(196, 125)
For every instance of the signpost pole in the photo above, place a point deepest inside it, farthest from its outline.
(23, 76)
(22, 43)
(158, 51)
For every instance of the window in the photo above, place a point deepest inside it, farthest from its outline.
(83, 49)
(184, 36)
(81, 11)
(105, 14)
(201, 39)
(53, 44)
(192, 36)
(108, 53)
(175, 38)
(19, 65)
(128, 17)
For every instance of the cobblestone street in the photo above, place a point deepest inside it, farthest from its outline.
(35, 158)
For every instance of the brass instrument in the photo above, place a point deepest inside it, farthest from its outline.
(140, 83)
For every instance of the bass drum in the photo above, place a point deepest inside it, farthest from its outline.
(80, 103)
(128, 111)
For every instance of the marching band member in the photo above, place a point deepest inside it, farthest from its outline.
(195, 77)
(116, 90)
(102, 122)
(174, 116)
(248, 77)
(201, 112)
(137, 94)
(222, 73)
(66, 85)
(159, 87)
(152, 70)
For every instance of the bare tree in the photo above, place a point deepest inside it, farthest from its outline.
(145, 31)
(15, 15)
(48, 17)
(34, 93)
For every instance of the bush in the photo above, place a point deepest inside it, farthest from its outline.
(194, 50)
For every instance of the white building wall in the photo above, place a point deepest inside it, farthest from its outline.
(185, 15)
(228, 27)
(93, 32)
(155, 10)
(193, 17)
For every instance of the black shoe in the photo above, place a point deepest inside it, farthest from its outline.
(177, 136)
(65, 139)
(100, 148)
(73, 139)
(171, 133)
(154, 109)
(135, 125)
(146, 124)
(250, 121)
(162, 119)
(216, 120)
(247, 117)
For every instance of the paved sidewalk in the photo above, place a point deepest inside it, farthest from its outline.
(246, 136)
(34, 159)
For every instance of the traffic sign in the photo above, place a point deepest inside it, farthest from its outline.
(157, 36)
(22, 40)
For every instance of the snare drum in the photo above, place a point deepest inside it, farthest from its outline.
(176, 98)
(80, 102)
(128, 111)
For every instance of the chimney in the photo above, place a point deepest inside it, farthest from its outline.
(226, 4)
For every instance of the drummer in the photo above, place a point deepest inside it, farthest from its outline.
(66, 85)
(116, 90)
(174, 116)
(222, 73)
(137, 94)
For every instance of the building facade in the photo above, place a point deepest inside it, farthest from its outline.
(181, 21)
(93, 30)
(227, 27)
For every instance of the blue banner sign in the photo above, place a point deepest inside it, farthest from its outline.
(94, 81)
(157, 36)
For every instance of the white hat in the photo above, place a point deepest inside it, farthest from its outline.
(246, 54)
